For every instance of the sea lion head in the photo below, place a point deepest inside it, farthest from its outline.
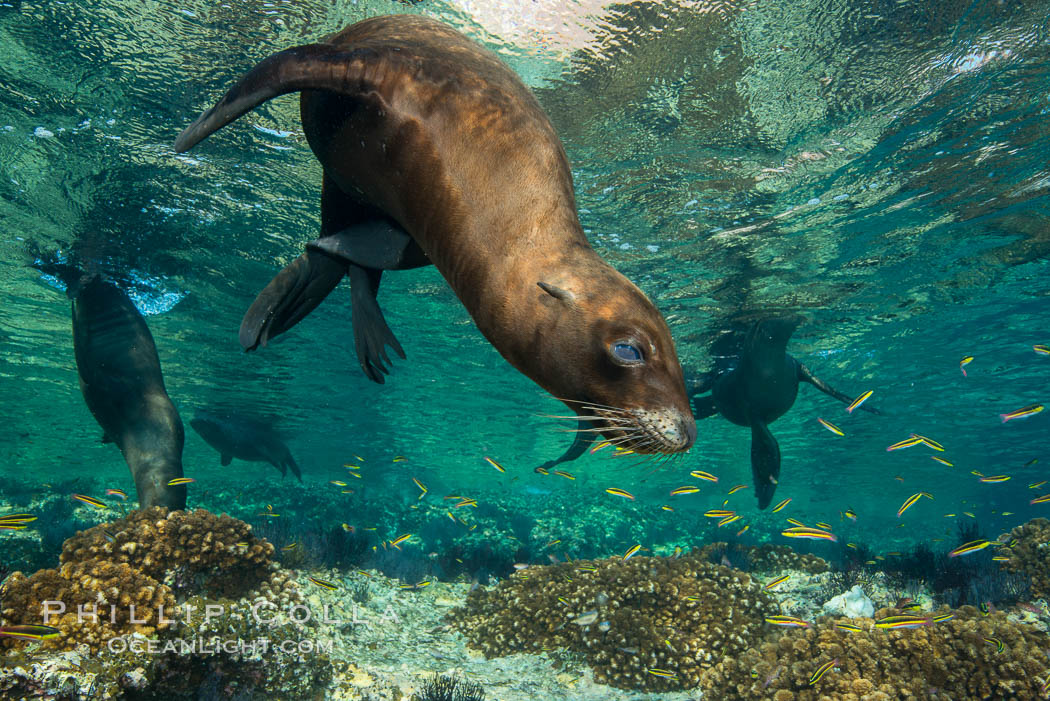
(614, 362)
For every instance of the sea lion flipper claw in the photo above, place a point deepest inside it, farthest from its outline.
(371, 332)
(291, 295)
(765, 462)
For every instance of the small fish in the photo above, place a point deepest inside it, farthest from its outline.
(586, 619)
(718, 513)
(906, 443)
(290, 547)
(1000, 558)
(912, 607)
(17, 518)
(616, 491)
(466, 502)
(969, 513)
(941, 460)
(787, 621)
(119, 493)
(729, 519)
(599, 446)
(686, 489)
(1040, 500)
(666, 507)
(743, 530)
(928, 442)
(563, 473)
(1031, 462)
(628, 650)
(850, 514)
(90, 501)
(983, 608)
(891, 622)
(943, 617)
(831, 427)
(778, 580)
(848, 627)
(322, 583)
(701, 475)
(239, 544)
(999, 646)
(994, 479)
(851, 545)
(858, 401)
(1040, 349)
(348, 528)
(737, 488)
(809, 534)
(399, 458)
(908, 503)
(422, 487)
(666, 673)
(781, 505)
(898, 478)
(13, 526)
(29, 632)
(822, 670)
(400, 539)
(351, 467)
(541, 470)
(180, 480)
(964, 362)
(971, 547)
(1024, 413)
(631, 551)
(355, 474)
(796, 523)
(825, 526)
(338, 483)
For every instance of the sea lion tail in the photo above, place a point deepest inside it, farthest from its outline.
(306, 67)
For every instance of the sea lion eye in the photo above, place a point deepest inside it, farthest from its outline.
(626, 353)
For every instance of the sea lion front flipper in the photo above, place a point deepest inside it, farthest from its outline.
(225, 459)
(765, 462)
(291, 295)
(371, 333)
(805, 375)
(379, 244)
(580, 441)
(703, 407)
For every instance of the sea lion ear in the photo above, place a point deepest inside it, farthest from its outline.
(558, 292)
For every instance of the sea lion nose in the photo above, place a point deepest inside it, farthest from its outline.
(689, 430)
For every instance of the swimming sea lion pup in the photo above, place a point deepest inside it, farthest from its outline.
(433, 151)
(122, 384)
(759, 390)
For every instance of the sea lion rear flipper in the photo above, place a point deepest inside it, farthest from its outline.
(371, 333)
(805, 375)
(291, 295)
(580, 441)
(765, 462)
(225, 459)
(289, 461)
(106, 438)
(307, 67)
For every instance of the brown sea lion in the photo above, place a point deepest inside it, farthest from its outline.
(122, 384)
(434, 151)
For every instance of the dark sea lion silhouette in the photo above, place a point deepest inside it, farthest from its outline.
(122, 384)
(435, 152)
(760, 389)
(245, 438)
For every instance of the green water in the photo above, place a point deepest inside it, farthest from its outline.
(878, 167)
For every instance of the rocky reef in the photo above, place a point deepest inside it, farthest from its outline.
(1029, 555)
(959, 658)
(649, 623)
(156, 605)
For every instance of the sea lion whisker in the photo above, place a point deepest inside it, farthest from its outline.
(589, 403)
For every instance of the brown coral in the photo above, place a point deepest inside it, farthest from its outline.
(1029, 554)
(645, 623)
(766, 558)
(136, 562)
(951, 659)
